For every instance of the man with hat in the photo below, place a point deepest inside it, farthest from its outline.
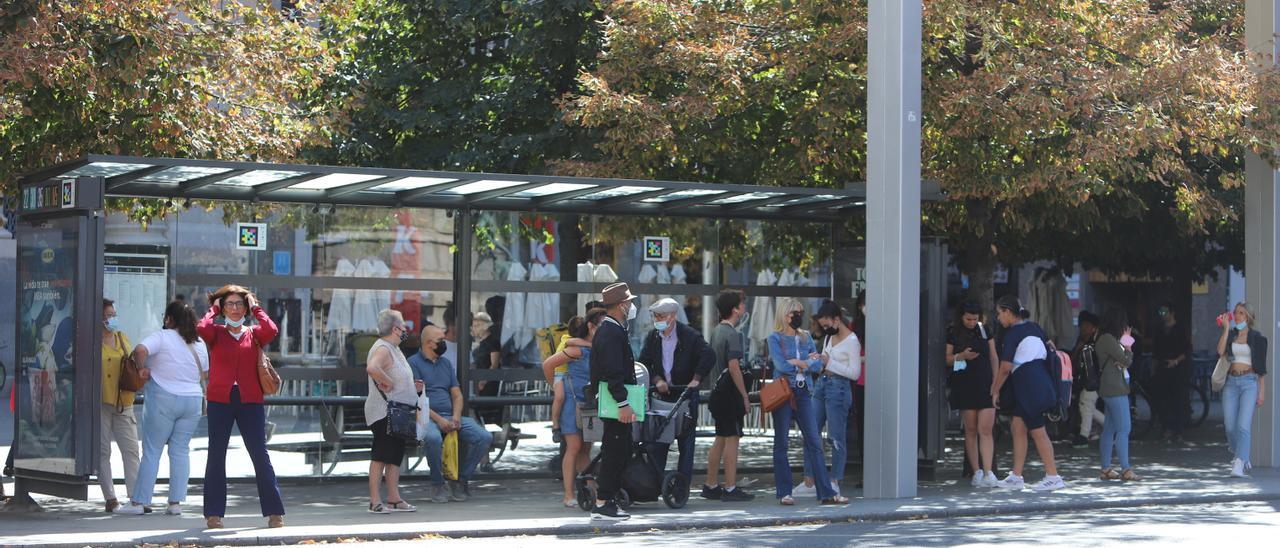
(676, 355)
(613, 363)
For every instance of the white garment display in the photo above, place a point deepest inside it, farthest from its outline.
(542, 309)
(513, 328)
(368, 302)
(679, 277)
(590, 272)
(343, 299)
(648, 275)
(1050, 306)
(761, 322)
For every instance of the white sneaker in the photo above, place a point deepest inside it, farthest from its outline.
(174, 509)
(1011, 482)
(1049, 483)
(803, 490)
(978, 478)
(130, 509)
(989, 481)
(1237, 470)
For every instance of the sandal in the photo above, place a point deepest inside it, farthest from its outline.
(213, 522)
(1130, 476)
(838, 500)
(400, 506)
(378, 509)
(570, 503)
(1109, 474)
(787, 501)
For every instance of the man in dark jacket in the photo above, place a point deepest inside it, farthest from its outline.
(676, 355)
(613, 363)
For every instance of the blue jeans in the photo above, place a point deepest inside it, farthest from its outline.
(473, 444)
(658, 451)
(832, 398)
(166, 419)
(1115, 431)
(805, 415)
(251, 419)
(1239, 400)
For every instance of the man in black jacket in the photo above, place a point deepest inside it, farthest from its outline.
(676, 355)
(613, 363)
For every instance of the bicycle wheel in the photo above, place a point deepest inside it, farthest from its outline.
(1141, 414)
(1199, 405)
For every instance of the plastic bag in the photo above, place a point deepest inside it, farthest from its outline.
(450, 457)
(424, 415)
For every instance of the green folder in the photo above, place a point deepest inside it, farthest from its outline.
(636, 396)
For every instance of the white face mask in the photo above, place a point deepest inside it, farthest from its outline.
(631, 312)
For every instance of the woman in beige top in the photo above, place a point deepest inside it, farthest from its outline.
(390, 379)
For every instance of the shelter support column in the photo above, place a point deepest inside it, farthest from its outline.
(462, 239)
(893, 248)
(1262, 223)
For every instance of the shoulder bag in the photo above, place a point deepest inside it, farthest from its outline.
(204, 403)
(1220, 371)
(775, 394)
(402, 420)
(267, 375)
(130, 376)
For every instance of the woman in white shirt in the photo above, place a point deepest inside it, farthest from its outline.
(176, 361)
(833, 391)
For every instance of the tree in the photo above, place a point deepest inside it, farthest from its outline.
(187, 78)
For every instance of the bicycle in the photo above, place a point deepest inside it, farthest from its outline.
(1145, 416)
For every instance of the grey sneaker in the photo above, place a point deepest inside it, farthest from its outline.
(457, 492)
(439, 494)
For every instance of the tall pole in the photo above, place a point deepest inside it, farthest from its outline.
(893, 247)
(1262, 222)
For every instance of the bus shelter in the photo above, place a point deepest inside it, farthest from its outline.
(67, 262)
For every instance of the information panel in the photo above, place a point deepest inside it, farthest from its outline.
(139, 285)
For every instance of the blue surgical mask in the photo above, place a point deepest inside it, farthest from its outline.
(1241, 326)
(661, 326)
(113, 324)
(234, 323)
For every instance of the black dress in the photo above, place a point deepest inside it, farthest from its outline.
(971, 387)
(489, 414)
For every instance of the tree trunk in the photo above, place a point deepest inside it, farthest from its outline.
(981, 260)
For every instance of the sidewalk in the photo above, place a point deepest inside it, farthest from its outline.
(335, 509)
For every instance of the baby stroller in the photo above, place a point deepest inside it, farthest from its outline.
(642, 480)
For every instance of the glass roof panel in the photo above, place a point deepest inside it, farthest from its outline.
(482, 186)
(745, 198)
(683, 194)
(808, 200)
(551, 188)
(259, 177)
(104, 169)
(410, 183)
(178, 174)
(335, 180)
(619, 191)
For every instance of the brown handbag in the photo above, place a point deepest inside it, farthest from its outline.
(775, 394)
(267, 375)
(130, 377)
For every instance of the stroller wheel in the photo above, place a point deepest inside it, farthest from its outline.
(675, 490)
(623, 499)
(586, 494)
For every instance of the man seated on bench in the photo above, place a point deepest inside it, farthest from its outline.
(445, 401)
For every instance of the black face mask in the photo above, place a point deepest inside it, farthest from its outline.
(831, 331)
(795, 321)
(441, 347)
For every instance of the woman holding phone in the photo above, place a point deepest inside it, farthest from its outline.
(1245, 348)
(1114, 354)
(971, 362)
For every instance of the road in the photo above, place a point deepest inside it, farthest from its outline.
(1242, 525)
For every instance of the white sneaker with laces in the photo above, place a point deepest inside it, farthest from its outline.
(978, 478)
(174, 509)
(1049, 483)
(803, 490)
(130, 509)
(989, 481)
(1011, 482)
(1237, 468)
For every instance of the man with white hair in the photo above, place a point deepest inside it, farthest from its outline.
(676, 355)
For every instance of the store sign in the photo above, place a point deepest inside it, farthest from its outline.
(251, 236)
(657, 248)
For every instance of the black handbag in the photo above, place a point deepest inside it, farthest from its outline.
(402, 420)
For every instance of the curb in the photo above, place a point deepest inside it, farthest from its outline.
(606, 528)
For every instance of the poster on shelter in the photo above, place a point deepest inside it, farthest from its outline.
(46, 346)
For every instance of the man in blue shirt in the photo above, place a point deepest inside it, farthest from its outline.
(444, 397)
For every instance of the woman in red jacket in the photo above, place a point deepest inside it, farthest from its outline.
(235, 398)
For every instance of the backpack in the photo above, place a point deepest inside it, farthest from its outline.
(1091, 374)
(1060, 373)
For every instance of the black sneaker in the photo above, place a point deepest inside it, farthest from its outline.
(736, 495)
(1079, 441)
(609, 511)
(712, 493)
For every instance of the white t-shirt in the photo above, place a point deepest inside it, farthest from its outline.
(172, 366)
(1030, 349)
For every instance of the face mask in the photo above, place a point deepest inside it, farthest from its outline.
(113, 324)
(631, 313)
(403, 335)
(795, 322)
(830, 331)
(743, 320)
(661, 326)
(233, 323)
(1240, 326)
(441, 347)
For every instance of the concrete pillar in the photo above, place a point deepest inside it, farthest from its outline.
(893, 247)
(1262, 223)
